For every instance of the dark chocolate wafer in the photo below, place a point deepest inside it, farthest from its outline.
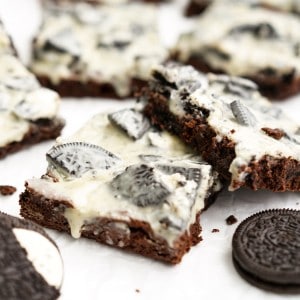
(266, 250)
(31, 265)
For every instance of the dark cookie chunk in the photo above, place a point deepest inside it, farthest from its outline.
(231, 220)
(24, 273)
(266, 250)
(6, 190)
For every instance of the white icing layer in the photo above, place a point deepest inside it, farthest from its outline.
(215, 93)
(237, 45)
(21, 98)
(43, 254)
(94, 194)
(106, 44)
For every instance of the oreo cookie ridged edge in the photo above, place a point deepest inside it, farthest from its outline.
(31, 264)
(266, 250)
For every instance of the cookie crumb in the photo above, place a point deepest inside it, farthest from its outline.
(231, 220)
(215, 230)
(137, 291)
(6, 190)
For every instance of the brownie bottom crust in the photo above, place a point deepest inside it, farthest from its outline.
(275, 174)
(40, 130)
(78, 89)
(138, 239)
(270, 84)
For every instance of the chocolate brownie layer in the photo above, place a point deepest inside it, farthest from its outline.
(124, 183)
(230, 124)
(76, 88)
(138, 236)
(251, 42)
(84, 50)
(36, 270)
(40, 130)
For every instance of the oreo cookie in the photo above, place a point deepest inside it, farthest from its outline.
(31, 265)
(266, 250)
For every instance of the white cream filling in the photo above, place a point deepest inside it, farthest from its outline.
(91, 26)
(92, 195)
(247, 53)
(43, 254)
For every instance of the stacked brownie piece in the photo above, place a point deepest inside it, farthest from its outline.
(28, 112)
(98, 51)
(248, 41)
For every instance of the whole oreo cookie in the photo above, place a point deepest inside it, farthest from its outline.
(31, 265)
(266, 250)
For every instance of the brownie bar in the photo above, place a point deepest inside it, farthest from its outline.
(251, 42)
(143, 191)
(92, 53)
(28, 112)
(249, 142)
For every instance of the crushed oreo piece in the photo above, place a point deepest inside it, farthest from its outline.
(77, 158)
(19, 277)
(64, 42)
(172, 222)
(215, 230)
(27, 84)
(266, 250)
(140, 186)
(242, 114)
(217, 53)
(7, 190)
(134, 123)
(262, 30)
(231, 220)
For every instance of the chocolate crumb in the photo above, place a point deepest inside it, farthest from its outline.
(215, 230)
(137, 291)
(6, 190)
(231, 220)
(275, 133)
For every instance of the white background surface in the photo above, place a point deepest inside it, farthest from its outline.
(94, 271)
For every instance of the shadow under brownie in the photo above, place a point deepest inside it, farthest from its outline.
(28, 112)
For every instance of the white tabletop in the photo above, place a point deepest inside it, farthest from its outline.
(94, 271)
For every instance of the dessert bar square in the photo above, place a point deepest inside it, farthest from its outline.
(97, 51)
(247, 41)
(249, 141)
(126, 184)
(28, 112)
